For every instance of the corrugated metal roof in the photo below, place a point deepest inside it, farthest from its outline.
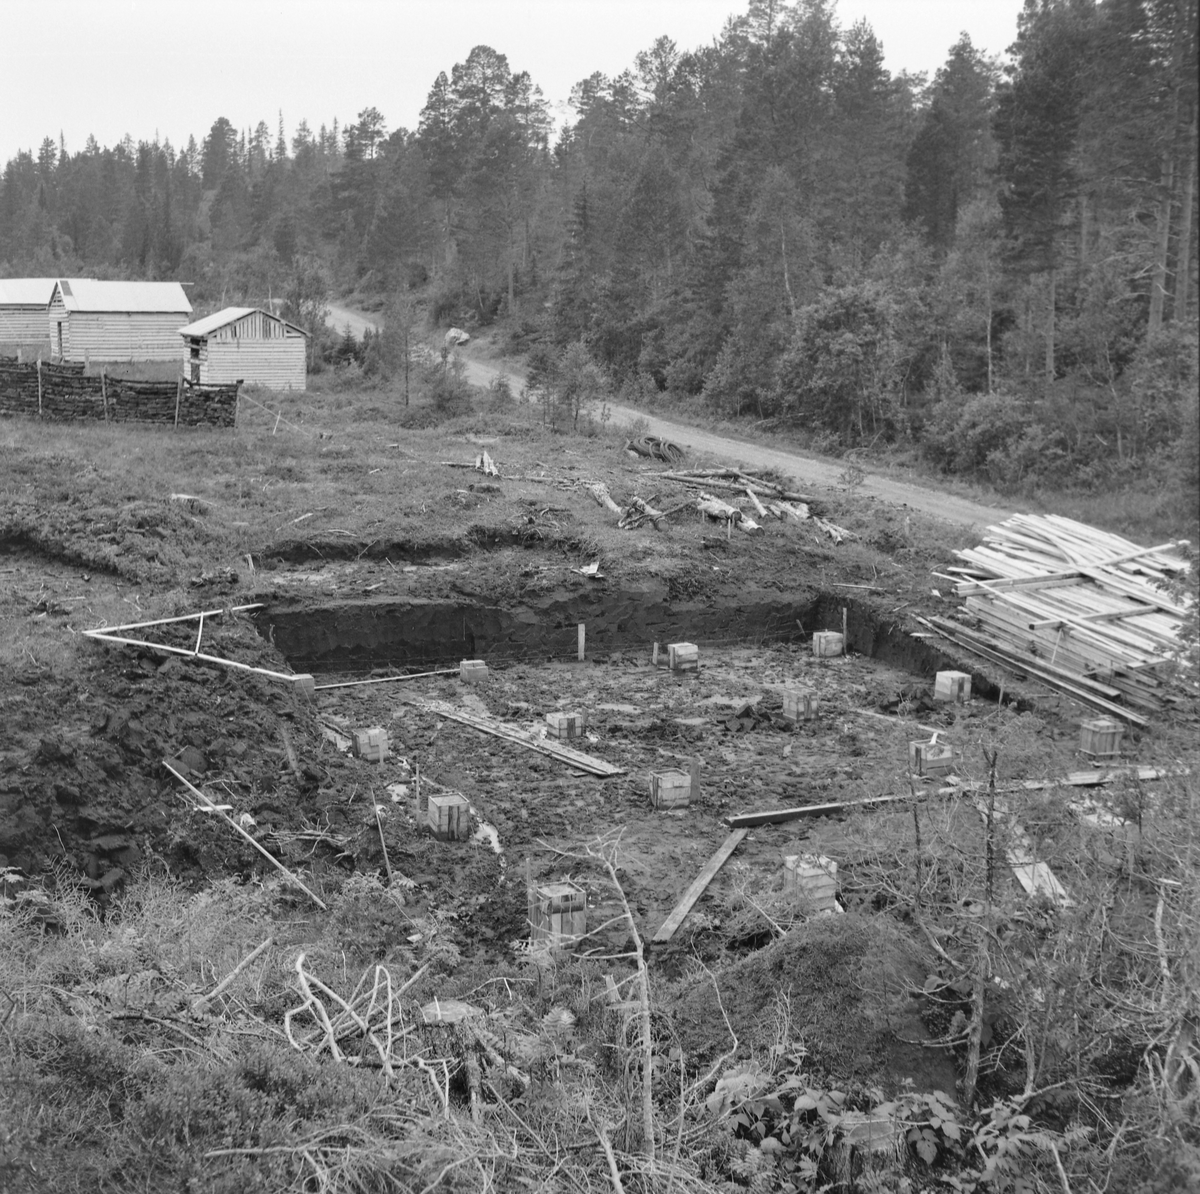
(210, 323)
(26, 292)
(86, 294)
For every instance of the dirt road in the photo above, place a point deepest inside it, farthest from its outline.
(804, 470)
(341, 318)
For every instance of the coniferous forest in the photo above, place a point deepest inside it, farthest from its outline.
(997, 266)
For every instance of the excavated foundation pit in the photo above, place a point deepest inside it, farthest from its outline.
(361, 635)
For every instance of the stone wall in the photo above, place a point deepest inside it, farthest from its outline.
(66, 394)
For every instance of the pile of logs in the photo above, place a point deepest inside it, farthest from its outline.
(1081, 610)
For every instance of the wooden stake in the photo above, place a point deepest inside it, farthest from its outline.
(234, 825)
(39, 373)
(530, 893)
(104, 393)
(379, 825)
(582, 634)
(845, 634)
(289, 750)
(654, 655)
(178, 396)
(694, 779)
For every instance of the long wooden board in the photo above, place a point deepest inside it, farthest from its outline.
(836, 809)
(702, 880)
(555, 750)
(1034, 876)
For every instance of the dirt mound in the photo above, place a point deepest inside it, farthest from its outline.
(839, 986)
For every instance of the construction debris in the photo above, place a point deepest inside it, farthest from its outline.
(599, 491)
(1082, 610)
(738, 482)
(836, 533)
(719, 511)
(655, 448)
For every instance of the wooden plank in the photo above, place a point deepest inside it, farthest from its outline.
(1035, 877)
(838, 808)
(699, 884)
(555, 750)
(1046, 673)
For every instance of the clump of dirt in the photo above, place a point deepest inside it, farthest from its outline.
(151, 541)
(840, 986)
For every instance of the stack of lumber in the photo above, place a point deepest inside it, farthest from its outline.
(1084, 611)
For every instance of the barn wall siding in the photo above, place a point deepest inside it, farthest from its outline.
(23, 325)
(277, 363)
(120, 336)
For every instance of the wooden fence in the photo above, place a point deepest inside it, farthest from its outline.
(62, 392)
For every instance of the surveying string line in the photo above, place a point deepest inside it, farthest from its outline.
(206, 613)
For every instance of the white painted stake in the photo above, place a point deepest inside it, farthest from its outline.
(210, 806)
(582, 638)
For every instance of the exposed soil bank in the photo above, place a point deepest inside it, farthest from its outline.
(359, 634)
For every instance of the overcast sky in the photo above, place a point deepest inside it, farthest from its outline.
(111, 67)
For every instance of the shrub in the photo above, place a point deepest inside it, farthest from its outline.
(960, 438)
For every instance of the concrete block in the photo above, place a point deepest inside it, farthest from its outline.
(371, 745)
(306, 686)
(799, 705)
(1101, 737)
(828, 643)
(952, 686)
(813, 876)
(449, 817)
(670, 789)
(472, 671)
(931, 758)
(683, 657)
(559, 915)
(565, 725)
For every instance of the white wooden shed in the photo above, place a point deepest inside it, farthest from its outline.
(23, 306)
(116, 321)
(245, 344)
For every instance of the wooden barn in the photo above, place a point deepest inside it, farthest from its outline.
(116, 321)
(23, 306)
(245, 344)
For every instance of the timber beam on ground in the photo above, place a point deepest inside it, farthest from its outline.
(510, 733)
(698, 887)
